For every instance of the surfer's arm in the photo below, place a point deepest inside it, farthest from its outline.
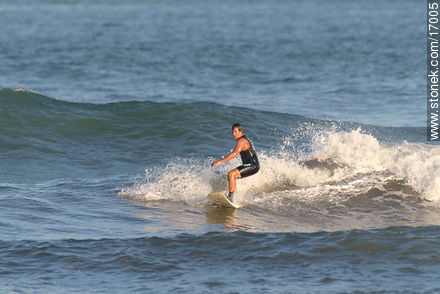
(233, 154)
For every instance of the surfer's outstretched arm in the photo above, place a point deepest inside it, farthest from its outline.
(233, 154)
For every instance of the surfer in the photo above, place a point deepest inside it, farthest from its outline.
(248, 155)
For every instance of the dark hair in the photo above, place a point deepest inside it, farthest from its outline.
(239, 126)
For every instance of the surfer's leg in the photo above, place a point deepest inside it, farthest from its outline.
(232, 176)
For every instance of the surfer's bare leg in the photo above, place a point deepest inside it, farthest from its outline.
(232, 176)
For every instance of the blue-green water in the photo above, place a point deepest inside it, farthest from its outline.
(111, 114)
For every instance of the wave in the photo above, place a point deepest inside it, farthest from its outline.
(39, 121)
(198, 261)
(34, 114)
(149, 263)
(31, 113)
(300, 157)
(105, 252)
(340, 168)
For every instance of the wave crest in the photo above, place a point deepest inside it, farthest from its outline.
(341, 165)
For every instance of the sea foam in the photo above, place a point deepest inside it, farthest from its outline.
(340, 164)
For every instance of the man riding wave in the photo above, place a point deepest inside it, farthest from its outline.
(250, 165)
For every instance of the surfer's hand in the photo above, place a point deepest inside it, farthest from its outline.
(215, 164)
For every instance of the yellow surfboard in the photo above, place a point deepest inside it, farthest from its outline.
(219, 198)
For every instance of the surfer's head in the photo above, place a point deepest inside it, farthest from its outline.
(239, 126)
(237, 131)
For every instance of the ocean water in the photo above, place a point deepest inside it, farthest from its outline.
(111, 113)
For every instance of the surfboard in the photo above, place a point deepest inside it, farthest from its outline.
(219, 198)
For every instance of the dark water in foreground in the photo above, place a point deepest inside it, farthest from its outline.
(230, 262)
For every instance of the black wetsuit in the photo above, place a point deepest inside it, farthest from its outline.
(250, 161)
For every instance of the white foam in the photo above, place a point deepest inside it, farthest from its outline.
(416, 163)
(360, 162)
(24, 90)
(179, 180)
(354, 154)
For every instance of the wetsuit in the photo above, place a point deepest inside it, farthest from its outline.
(250, 161)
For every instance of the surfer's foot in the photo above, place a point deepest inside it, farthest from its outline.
(230, 196)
